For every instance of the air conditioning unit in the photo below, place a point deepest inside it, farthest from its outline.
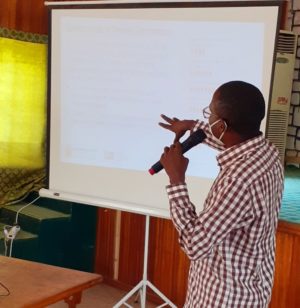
(282, 90)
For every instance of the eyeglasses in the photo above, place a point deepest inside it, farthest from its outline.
(207, 113)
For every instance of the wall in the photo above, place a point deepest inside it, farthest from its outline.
(28, 16)
(293, 138)
(286, 290)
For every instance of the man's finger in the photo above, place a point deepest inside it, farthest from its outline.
(178, 136)
(164, 125)
(177, 147)
(166, 149)
(167, 119)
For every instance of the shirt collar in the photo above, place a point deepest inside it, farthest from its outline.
(226, 157)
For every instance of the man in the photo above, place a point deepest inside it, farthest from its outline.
(231, 243)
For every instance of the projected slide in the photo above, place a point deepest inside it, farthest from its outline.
(114, 68)
(120, 74)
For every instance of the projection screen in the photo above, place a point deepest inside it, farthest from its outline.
(115, 67)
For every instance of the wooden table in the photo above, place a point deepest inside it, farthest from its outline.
(33, 284)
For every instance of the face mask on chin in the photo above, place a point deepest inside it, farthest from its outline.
(217, 139)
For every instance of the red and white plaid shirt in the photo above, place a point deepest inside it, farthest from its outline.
(231, 243)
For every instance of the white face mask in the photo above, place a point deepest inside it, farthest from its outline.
(218, 139)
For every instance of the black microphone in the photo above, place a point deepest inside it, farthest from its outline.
(195, 138)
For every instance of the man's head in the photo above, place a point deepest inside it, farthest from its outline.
(241, 108)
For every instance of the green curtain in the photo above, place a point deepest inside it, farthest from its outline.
(23, 71)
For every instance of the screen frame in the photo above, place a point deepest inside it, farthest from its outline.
(139, 5)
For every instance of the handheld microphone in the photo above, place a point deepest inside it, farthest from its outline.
(194, 139)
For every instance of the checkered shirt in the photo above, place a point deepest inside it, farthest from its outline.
(231, 243)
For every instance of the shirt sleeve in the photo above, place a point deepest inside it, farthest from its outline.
(210, 140)
(226, 208)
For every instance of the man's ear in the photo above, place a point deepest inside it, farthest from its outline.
(222, 125)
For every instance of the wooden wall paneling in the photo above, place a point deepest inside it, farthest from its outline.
(8, 13)
(131, 248)
(161, 255)
(28, 16)
(289, 228)
(283, 261)
(105, 239)
(294, 287)
(167, 263)
(31, 16)
(286, 291)
(181, 270)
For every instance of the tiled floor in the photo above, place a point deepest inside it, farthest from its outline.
(101, 296)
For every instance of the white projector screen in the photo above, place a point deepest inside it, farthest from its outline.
(114, 68)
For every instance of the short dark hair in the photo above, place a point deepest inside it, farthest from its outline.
(242, 106)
